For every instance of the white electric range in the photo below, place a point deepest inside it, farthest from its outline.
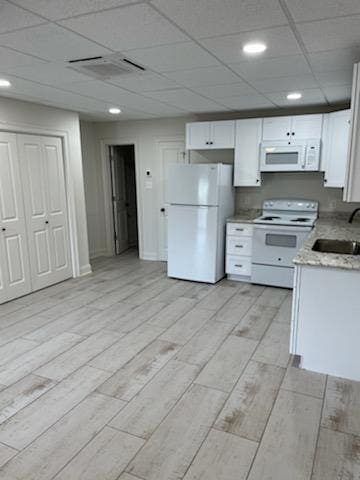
(278, 234)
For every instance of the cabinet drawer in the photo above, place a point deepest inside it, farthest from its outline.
(239, 229)
(239, 246)
(238, 265)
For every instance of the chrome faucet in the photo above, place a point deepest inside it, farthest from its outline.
(353, 214)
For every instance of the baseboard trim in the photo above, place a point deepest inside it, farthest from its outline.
(99, 253)
(85, 270)
(149, 256)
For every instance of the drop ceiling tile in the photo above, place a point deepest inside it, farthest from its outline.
(207, 18)
(48, 73)
(11, 59)
(334, 59)
(14, 18)
(100, 90)
(335, 78)
(280, 41)
(247, 102)
(20, 87)
(51, 42)
(308, 10)
(280, 84)
(167, 58)
(332, 34)
(273, 67)
(204, 76)
(134, 26)
(312, 96)
(223, 91)
(143, 82)
(339, 94)
(58, 9)
(187, 100)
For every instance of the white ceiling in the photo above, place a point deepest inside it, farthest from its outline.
(192, 51)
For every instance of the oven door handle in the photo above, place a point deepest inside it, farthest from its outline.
(282, 228)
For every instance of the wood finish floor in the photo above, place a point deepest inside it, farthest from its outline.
(126, 375)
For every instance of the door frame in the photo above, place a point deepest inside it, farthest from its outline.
(160, 194)
(77, 270)
(106, 178)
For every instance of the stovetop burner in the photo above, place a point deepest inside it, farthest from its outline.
(270, 218)
(300, 219)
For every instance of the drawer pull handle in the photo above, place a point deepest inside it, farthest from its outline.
(239, 246)
(239, 229)
(238, 265)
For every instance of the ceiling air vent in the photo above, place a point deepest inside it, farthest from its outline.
(104, 68)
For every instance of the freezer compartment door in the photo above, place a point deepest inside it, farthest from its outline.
(192, 243)
(193, 184)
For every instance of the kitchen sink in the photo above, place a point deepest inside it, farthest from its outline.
(344, 247)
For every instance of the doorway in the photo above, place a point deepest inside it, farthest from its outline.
(123, 196)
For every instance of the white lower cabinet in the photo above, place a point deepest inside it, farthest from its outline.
(34, 240)
(239, 251)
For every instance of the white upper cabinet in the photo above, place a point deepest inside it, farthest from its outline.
(197, 135)
(210, 135)
(352, 180)
(247, 152)
(292, 128)
(222, 134)
(276, 128)
(335, 148)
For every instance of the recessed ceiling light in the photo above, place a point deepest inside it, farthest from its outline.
(4, 83)
(253, 48)
(294, 96)
(114, 110)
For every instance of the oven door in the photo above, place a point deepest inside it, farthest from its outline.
(277, 245)
(282, 157)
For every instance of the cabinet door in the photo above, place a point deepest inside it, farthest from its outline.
(198, 136)
(222, 134)
(45, 205)
(14, 267)
(352, 181)
(276, 128)
(306, 126)
(247, 153)
(335, 148)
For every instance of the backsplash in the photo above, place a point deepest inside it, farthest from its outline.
(309, 185)
(293, 185)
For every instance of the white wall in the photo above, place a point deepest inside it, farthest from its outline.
(30, 118)
(146, 133)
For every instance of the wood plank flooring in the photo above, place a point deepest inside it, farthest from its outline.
(126, 374)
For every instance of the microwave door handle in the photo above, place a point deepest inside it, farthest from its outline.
(304, 156)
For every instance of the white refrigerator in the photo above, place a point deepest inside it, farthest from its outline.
(201, 198)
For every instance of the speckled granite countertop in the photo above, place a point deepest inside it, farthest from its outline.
(244, 216)
(336, 228)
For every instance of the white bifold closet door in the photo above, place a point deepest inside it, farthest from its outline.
(14, 256)
(43, 185)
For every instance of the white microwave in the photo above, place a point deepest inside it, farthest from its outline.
(285, 156)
